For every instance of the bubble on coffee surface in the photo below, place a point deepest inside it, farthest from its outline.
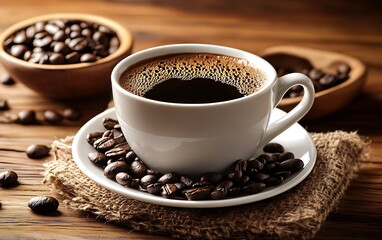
(142, 76)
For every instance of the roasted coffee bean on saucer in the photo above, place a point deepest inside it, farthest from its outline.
(244, 177)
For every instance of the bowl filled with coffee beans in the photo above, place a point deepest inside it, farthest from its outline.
(66, 55)
(337, 78)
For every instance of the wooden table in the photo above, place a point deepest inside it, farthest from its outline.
(349, 27)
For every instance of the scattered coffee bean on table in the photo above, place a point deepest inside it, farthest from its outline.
(119, 162)
(62, 41)
(7, 80)
(4, 105)
(27, 117)
(72, 114)
(43, 204)
(52, 117)
(8, 179)
(37, 151)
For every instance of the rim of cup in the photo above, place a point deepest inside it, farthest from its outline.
(257, 62)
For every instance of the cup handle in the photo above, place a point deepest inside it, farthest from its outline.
(293, 116)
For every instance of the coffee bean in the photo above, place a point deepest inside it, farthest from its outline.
(52, 116)
(147, 180)
(37, 151)
(21, 38)
(315, 74)
(4, 105)
(123, 178)
(154, 188)
(100, 50)
(202, 184)
(154, 172)
(8, 179)
(218, 194)
(240, 165)
(59, 36)
(328, 80)
(271, 167)
(343, 68)
(125, 146)
(18, 51)
(115, 153)
(252, 187)
(104, 143)
(292, 165)
(169, 190)
(42, 42)
(109, 123)
(36, 57)
(234, 191)
(88, 57)
(135, 183)
(43, 204)
(130, 156)
(97, 158)
(108, 134)
(168, 178)
(200, 193)
(283, 174)
(244, 179)
(221, 190)
(118, 136)
(113, 45)
(285, 156)
(72, 114)
(73, 57)
(92, 137)
(256, 164)
(186, 180)
(7, 80)
(261, 177)
(273, 181)
(273, 148)
(235, 176)
(78, 44)
(341, 77)
(112, 169)
(101, 37)
(212, 177)
(264, 158)
(138, 169)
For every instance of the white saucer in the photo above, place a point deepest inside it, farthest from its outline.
(295, 140)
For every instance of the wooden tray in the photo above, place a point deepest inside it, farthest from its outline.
(326, 101)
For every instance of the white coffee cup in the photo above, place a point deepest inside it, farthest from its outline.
(198, 138)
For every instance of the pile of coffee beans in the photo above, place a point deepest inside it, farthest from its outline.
(119, 162)
(62, 41)
(321, 80)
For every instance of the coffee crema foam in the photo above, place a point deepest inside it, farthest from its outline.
(142, 76)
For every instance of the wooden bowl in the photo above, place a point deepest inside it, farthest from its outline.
(67, 80)
(328, 100)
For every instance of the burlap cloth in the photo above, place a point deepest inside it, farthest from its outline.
(295, 214)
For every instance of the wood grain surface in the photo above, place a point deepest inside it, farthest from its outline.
(349, 27)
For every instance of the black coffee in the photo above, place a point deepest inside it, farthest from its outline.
(192, 78)
(197, 90)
